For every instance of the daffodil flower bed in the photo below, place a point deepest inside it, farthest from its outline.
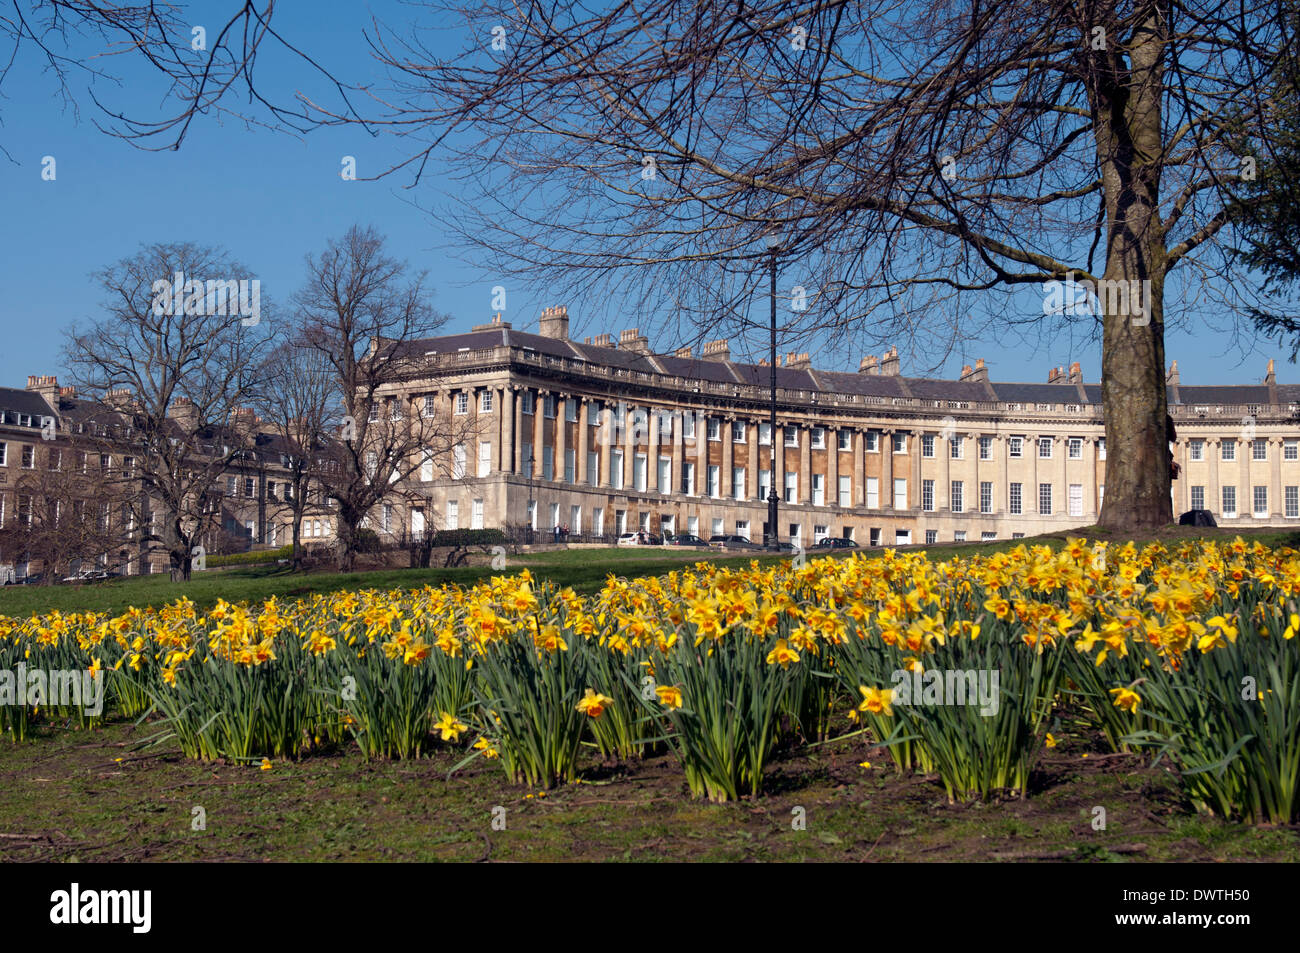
(958, 668)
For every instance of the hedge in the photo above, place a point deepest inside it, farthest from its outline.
(461, 538)
(252, 557)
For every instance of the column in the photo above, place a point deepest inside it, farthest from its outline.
(676, 476)
(629, 448)
(584, 436)
(1277, 495)
(501, 457)
(887, 469)
(517, 402)
(778, 462)
(1090, 477)
(1246, 494)
(1213, 498)
(943, 479)
(859, 468)
(724, 481)
(751, 462)
(539, 418)
(805, 465)
(702, 460)
(833, 466)
(652, 451)
(560, 437)
(607, 443)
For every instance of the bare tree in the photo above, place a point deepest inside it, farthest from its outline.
(359, 311)
(918, 164)
(299, 401)
(170, 363)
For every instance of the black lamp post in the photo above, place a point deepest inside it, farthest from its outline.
(773, 501)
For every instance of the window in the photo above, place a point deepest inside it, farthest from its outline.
(457, 462)
(549, 406)
(616, 469)
(527, 404)
(986, 497)
(1044, 448)
(29, 457)
(1045, 499)
(764, 484)
(742, 528)
(902, 537)
(1017, 535)
(820, 533)
(664, 483)
(1076, 499)
(1101, 448)
(1015, 446)
(931, 537)
(430, 405)
(986, 448)
(530, 462)
(1015, 504)
(1196, 450)
(571, 410)
(485, 402)
(791, 486)
(54, 460)
(388, 518)
(4, 454)
(1076, 448)
(394, 410)
(1229, 450)
(598, 521)
(532, 514)
(900, 493)
(845, 493)
(476, 515)
(1261, 501)
(1290, 450)
(593, 468)
(844, 440)
(688, 426)
(232, 484)
(594, 409)
(373, 416)
(737, 431)
(959, 536)
(717, 526)
(693, 525)
(640, 462)
(1260, 450)
(927, 445)
(818, 490)
(688, 479)
(873, 493)
(462, 403)
(1229, 501)
(714, 428)
(765, 435)
(956, 447)
(873, 441)
(873, 536)
(548, 463)
(714, 478)
(570, 465)
(927, 495)
(956, 496)
(484, 458)
(900, 443)
(250, 487)
(1292, 496)
(791, 435)
(1198, 497)
(819, 438)
(738, 482)
(453, 514)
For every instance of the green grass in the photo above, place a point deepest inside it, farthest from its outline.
(583, 569)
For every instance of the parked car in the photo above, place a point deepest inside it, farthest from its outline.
(733, 542)
(1197, 518)
(835, 542)
(687, 539)
(629, 539)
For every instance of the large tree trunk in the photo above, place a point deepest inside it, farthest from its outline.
(1126, 101)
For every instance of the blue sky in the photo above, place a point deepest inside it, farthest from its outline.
(270, 198)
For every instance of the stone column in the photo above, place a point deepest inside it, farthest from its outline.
(859, 468)
(561, 438)
(677, 447)
(539, 432)
(652, 451)
(751, 462)
(1213, 498)
(629, 449)
(1277, 495)
(833, 466)
(724, 479)
(517, 402)
(778, 462)
(943, 479)
(886, 469)
(1090, 478)
(805, 465)
(584, 438)
(608, 441)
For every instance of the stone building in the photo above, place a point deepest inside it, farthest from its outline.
(605, 436)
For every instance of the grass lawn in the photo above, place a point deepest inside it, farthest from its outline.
(583, 569)
(97, 796)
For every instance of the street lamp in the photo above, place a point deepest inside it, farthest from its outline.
(773, 501)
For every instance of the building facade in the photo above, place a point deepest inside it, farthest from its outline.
(606, 437)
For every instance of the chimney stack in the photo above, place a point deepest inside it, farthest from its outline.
(1171, 378)
(496, 324)
(47, 385)
(1269, 377)
(798, 362)
(602, 340)
(1076, 373)
(868, 365)
(890, 364)
(555, 322)
(632, 340)
(1056, 375)
(716, 350)
(682, 352)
